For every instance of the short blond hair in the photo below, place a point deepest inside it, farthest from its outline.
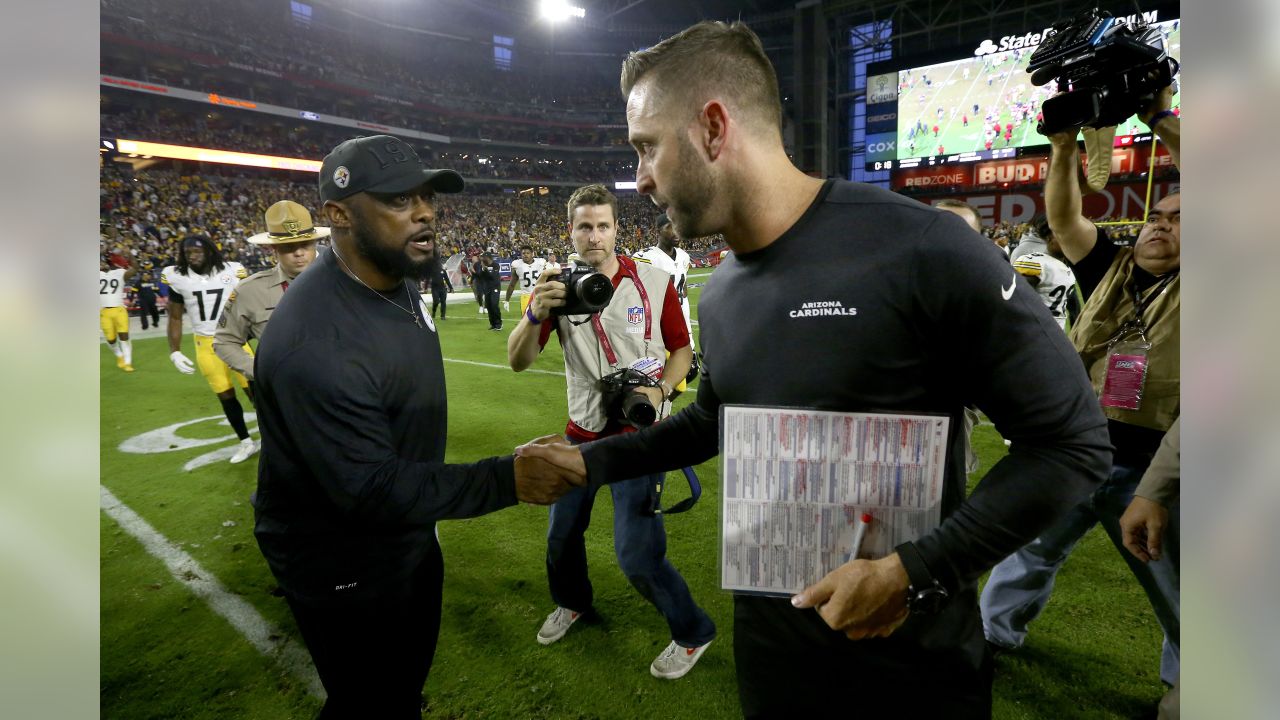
(711, 57)
(596, 194)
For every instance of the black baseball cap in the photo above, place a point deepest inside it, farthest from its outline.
(381, 164)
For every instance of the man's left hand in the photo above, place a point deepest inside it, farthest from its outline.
(1142, 527)
(862, 598)
(655, 395)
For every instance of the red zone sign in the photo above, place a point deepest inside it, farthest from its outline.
(1019, 171)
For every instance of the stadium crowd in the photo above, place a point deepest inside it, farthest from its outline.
(252, 36)
(243, 131)
(143, 214)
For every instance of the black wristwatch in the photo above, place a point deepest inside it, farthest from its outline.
(925, 595)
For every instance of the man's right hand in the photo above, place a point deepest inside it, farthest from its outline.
(541, 482)
(556, 451)
(547, 294)
(182, 362)
(1067, 139)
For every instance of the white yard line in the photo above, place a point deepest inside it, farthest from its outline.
(502, 367)
(267, 639)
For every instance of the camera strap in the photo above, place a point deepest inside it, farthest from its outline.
(607, 346)
(695, 492)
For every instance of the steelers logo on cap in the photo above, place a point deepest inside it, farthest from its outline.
(341, 176)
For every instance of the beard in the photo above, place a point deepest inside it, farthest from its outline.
(391, 261)
(691, 193)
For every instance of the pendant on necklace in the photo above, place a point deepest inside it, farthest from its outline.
(416, 321)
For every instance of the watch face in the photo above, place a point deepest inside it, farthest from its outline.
(928, 601)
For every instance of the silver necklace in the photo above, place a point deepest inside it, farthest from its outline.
(411, 313)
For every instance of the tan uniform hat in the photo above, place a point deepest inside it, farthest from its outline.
(288, 222)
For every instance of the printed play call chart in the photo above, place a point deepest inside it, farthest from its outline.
(797, 481)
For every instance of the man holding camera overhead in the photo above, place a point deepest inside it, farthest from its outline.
(628, 339)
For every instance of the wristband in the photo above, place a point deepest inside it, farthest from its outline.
(1155, 119)
(528, 312)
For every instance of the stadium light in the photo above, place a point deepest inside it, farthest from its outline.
(180, 152)
(557, 10)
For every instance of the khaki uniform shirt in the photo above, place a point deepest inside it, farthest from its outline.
(245, 316)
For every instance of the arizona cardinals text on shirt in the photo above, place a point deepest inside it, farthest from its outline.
(820, 308)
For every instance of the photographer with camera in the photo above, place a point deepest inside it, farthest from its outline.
(1128, 337)
(616, 322)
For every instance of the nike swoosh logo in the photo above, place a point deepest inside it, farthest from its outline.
(1007, 292)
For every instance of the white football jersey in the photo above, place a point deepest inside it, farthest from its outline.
(1056, 281)
(204, 296)
(111, 288)
(678, 268)
(527, 274)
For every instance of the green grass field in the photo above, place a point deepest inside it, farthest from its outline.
(166, 654)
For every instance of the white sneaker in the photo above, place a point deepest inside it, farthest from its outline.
(556, 625)
(676, 661)
(247, 449)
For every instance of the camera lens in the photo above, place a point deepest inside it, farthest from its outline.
(595, 290)
(638, 410)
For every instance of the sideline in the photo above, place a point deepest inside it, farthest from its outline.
(246, 619)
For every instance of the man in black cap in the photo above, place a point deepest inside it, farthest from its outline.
(351, 405)
(488, 282)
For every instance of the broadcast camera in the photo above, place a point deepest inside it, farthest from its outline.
(586, 291)
(623, 402)
(1109, 68)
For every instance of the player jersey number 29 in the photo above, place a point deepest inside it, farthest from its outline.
(1055, 296)
(108, 286)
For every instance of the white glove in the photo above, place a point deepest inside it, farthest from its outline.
(506, 305)
(182, 362)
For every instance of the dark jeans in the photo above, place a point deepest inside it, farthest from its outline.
(640, 543)
(148, 309)
(494, 306)
(790, 664)
(439, 299)
(373, 656)
(1020, 586)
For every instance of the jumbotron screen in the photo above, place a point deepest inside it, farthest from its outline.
(980, 107)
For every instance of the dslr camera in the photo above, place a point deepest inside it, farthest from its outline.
(586, 290)
(623, 402)
(1109, 68)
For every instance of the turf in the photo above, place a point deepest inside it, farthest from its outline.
(1094, 653)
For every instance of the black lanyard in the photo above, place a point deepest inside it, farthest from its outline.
(1140, 304)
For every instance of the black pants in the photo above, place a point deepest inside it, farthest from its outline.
(790, 664)
(493, 305)
(373, 656)
(148, 308)
(439, 299)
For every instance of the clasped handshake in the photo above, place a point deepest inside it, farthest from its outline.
(547, 468)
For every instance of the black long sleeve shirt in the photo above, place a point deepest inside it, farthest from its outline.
(352, 409)
(932, 321)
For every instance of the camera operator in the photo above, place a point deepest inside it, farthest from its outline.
(1133, 296)
(640, 324)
